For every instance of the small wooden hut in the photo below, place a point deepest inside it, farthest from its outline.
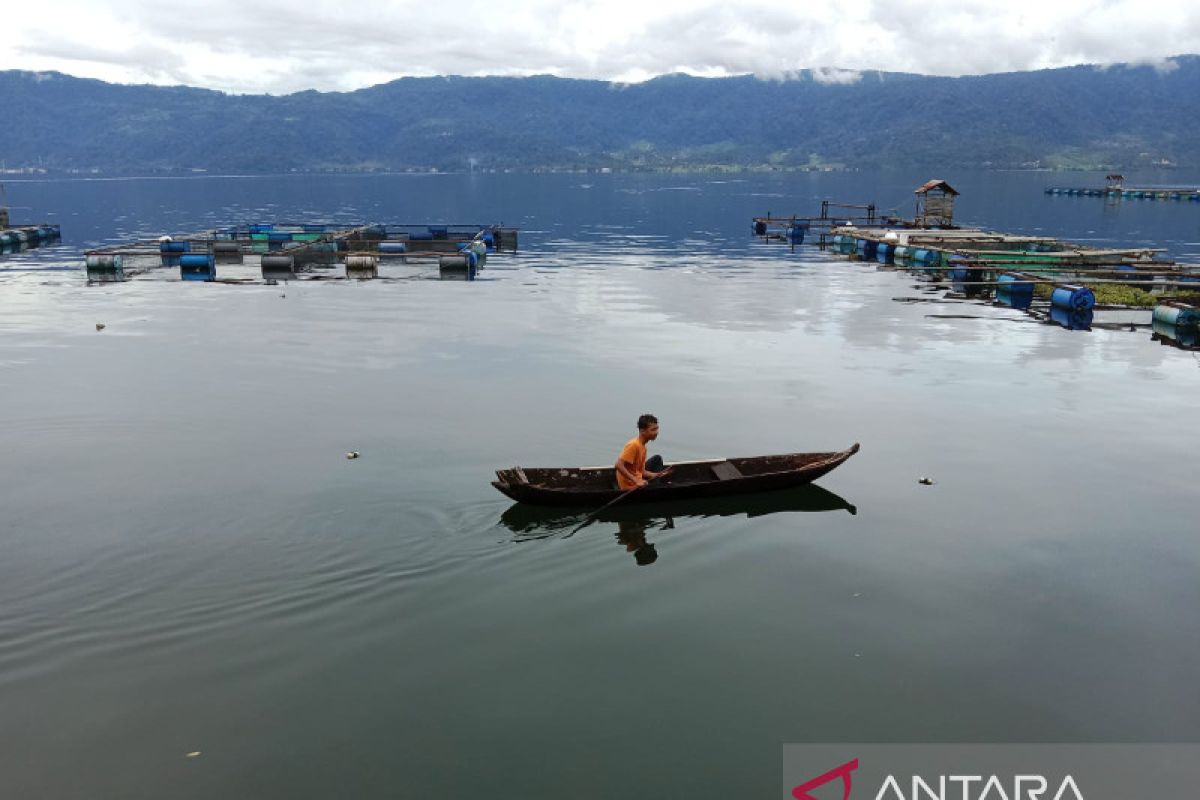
(1114, 182)
(935, 204)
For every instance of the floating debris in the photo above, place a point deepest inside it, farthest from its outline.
(353, 454)
(194, 754)
(100, 326)
(925, 481)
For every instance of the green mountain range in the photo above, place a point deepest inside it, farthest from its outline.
(1116, 117)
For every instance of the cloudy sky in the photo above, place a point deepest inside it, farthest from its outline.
(280, 46)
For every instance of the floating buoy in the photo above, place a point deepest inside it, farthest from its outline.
(278, 267)
(362, 267)
(104, 267)
(1073, 298)
(197, 267)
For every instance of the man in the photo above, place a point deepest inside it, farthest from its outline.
(632, 468)
(632, 534)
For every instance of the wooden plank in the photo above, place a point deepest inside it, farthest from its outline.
(726, 471)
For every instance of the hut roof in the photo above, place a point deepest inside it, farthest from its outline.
(935, 184)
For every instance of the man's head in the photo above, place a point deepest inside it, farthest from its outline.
(648, 427)
(645, 555)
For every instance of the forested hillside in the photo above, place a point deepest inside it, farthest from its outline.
(1116, 117)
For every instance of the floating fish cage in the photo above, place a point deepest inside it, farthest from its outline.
(288, 251)
(26, 236)
(1004, 268)
(1187, 194)
(794, 229)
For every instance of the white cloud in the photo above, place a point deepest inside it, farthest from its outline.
(277, 46)
(835, 75)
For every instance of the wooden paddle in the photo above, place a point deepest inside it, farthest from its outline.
(592, 516)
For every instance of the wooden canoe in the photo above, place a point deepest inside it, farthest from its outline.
(718, 477)
(537, 522)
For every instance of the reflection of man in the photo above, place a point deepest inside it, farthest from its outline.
(632, 534)
(632, 468)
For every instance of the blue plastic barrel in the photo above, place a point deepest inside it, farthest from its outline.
(393, 247)
(198, 267)
(796, 233)
(277, 268)
(1072, 319)
(1180, 316)
(867, 249)
(439, 231)
(1014, 292)
(104, 267)
(1076, 298)
(760, 227)
(171, 251)
(884, 252)
(420, 236)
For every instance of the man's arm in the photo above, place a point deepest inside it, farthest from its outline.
(625, 469)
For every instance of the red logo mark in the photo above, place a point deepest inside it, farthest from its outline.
(801, 792)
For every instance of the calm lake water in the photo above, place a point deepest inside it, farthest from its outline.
(189, 563)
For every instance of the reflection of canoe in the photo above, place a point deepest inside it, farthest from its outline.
(523, 518)
(595, 486)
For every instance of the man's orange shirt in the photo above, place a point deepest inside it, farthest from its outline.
(633, 454)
